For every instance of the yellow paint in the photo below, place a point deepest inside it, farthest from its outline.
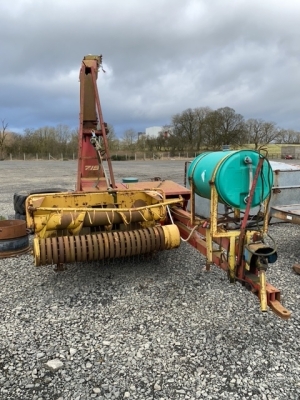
(36, 251)
(263, 291)
(172, 236)
(49, 213)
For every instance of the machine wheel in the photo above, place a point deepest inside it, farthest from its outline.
(20, 199)
(14, 246)
(20, 216)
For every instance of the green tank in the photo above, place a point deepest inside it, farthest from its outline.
(233, 172)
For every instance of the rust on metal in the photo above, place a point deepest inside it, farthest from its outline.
(288, 213)
(12, 228)
(91, 172)
(14, 239)
(62, 250)
(74, 212)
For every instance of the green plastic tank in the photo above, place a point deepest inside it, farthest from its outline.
(233, 171)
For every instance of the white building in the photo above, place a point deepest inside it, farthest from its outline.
(153, 131)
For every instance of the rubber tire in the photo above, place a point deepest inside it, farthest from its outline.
(20, 198)
(20, 216)
(14, 244)
(19, 202)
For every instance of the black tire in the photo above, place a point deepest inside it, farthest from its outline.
(19, 202)
(20, 198)
(20, 216)
(13, 246)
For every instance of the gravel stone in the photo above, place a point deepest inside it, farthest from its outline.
(156, 327)
(72, 351)
(54, 365)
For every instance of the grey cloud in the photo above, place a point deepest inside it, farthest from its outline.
(161, 57)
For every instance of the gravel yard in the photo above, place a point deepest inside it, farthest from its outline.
(149, 328)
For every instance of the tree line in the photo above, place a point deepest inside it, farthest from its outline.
(45, 141)
(206, 129)
(190, 130)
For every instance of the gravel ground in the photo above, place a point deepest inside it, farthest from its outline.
(146, 328)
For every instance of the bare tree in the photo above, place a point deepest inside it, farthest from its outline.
(201, 114)
(288, 136)
(261, 133)
(185, 128)
(113, 141)
(232, 129)
(211, 137)
(3, 137)
(129, 139)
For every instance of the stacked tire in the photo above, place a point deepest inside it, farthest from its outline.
(20, 200)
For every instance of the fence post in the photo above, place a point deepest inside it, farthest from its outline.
(37, 156)
(10, 157)
(24, 156)
(134, 156)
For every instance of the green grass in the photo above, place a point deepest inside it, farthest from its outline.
(273, 149)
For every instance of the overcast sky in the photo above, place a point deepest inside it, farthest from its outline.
(160, 57)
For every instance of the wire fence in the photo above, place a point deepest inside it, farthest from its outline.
(115, 156)
(123, 156)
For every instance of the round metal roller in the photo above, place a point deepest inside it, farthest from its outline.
(152, 239)
(72, 248)
(78, 249)
(140, 243)
(148, 241)
(111, 245)
(127, 242)
(100, 241)
(54, 251)
(105, 245)
(67, 249)
(96, 247)
(162, 238)
(117, 244)
(132, 243)
(156, 238)
(61, 250)
(83, 247)
(143, 239)
(172, 236)
(49, 250)
(90, 248)
(43, 251)
(123, 239)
